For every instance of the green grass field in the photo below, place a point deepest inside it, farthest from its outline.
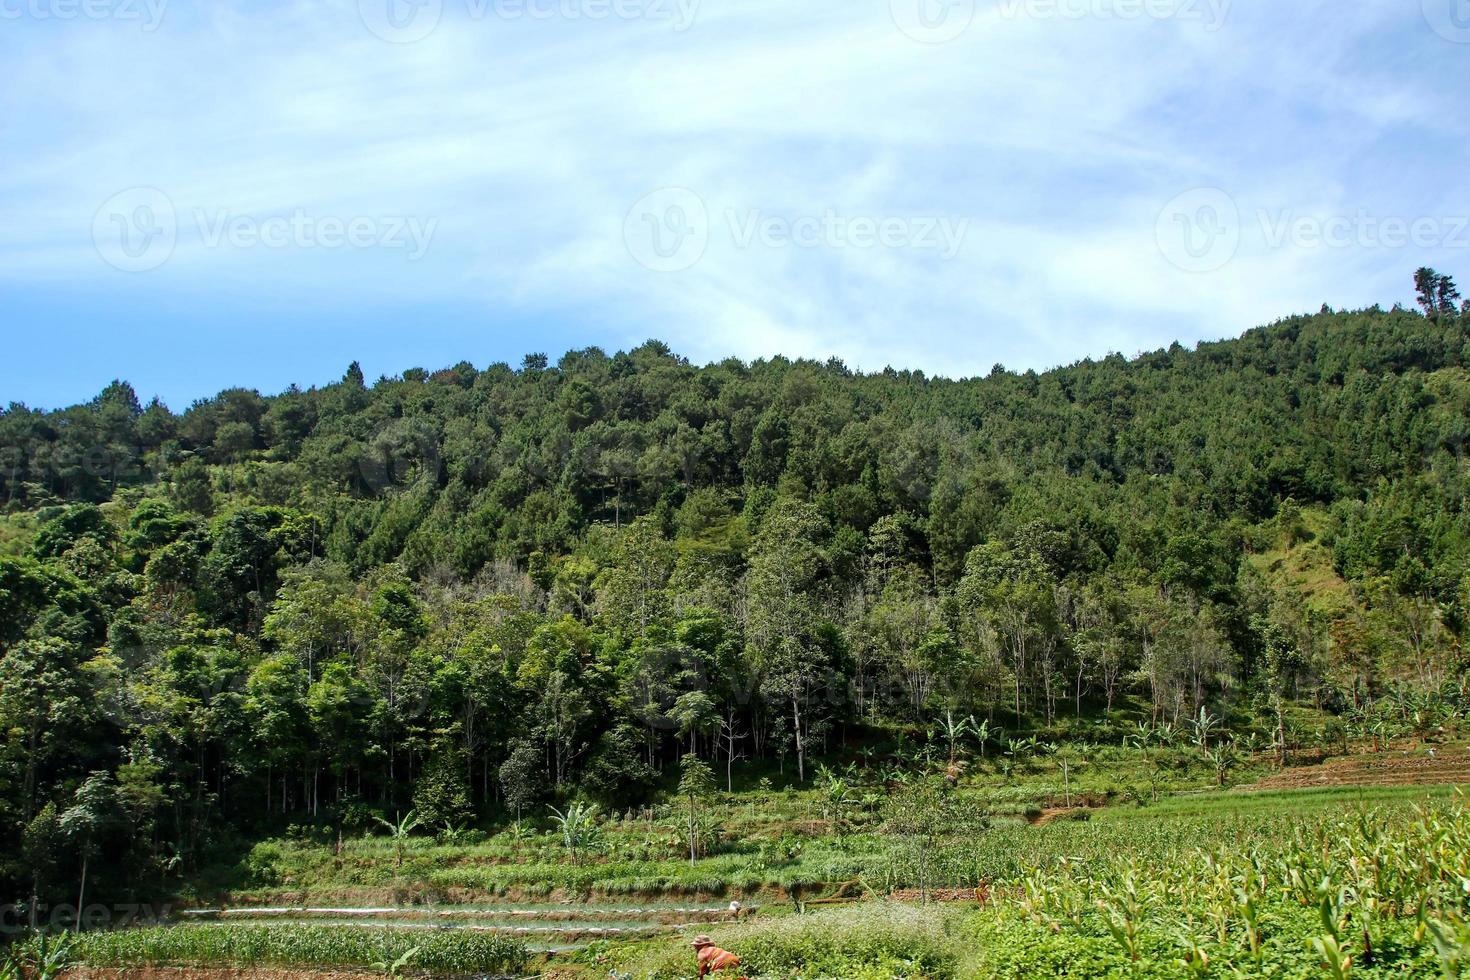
(1204, 882)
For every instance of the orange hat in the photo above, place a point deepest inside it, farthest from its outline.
(702, 941)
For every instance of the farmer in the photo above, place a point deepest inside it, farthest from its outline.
(713, 959)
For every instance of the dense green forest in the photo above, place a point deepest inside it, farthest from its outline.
(471, 591)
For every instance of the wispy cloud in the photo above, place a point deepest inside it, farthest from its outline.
(525, 131)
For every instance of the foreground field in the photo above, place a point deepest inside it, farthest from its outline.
(1306, 883)
(1380, 892)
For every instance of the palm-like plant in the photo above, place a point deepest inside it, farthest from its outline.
(836, 796)
(1204, 725)
(1223, 758)
(577, 826)
(398, 966)
(399, 832)
(954, 731)
(1142, 738)
(46, 959)
(982, 732)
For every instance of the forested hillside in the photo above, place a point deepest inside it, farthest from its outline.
(468, 591)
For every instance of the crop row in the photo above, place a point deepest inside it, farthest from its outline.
(439, 951)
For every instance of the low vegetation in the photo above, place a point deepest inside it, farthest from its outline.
(457, 953)
(1383, 892)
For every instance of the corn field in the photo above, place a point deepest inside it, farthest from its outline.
(438, 951)
(1381, 892)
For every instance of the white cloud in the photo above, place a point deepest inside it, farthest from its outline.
(1058, 141)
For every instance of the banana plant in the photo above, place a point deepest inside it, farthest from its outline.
(398, 966)
(577, 826)
(1223, 757)
(399, 832)
(1204, 725)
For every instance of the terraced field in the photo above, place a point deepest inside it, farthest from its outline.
(1448, 767)
(542, 927)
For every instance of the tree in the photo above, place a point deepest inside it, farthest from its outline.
(278, 717)
(191, 488)
(83, 824)
(923, 815)
(522, 776)
(1283, 663)
(41, 847)
(441, 796)
(1013, 593)
(730, 737)
(696, 783)
(1448, 296)
(48, 710)
(553, 671)
(1437, 295)
(632, 595)
(616, 774)
(785, 630)
(1067, 755)
(695, 714)
(337, 708)
(1426, 286)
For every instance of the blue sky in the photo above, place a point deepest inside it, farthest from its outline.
(200, 195)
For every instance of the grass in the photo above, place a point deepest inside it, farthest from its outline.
(1132, 889)
(447, 951)
(884, 941)
(1305, 893)
(1301, 801)
(781, 841)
